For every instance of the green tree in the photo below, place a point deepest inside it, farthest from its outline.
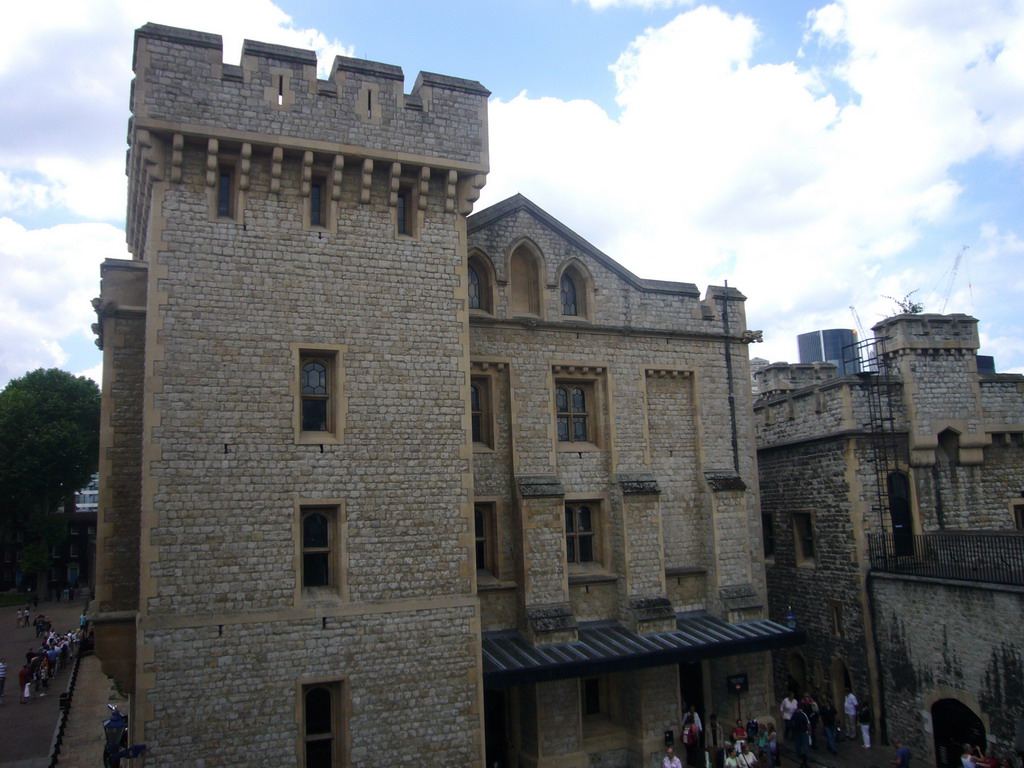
(49, 448)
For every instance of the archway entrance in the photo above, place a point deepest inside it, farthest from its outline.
(954, 724)
(839, 677)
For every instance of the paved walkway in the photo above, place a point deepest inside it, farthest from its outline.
(852, 755)
(28, 729)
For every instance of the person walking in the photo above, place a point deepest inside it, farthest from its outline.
(800, 727)
(3, 677)
(827, 713)
(788, 707)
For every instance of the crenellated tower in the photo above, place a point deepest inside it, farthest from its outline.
(286, 514)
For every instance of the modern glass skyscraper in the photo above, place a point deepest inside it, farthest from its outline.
(835, 345)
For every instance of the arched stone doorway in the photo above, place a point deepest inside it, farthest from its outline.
(840, 682)
(954, 724)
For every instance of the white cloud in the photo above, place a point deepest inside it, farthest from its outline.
(720, 167)
(50, 277)
(62, 139)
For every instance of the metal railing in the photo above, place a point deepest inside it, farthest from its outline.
(996, 558)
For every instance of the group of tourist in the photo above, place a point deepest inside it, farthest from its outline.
(801, 718)
(47, 658)
(745, 745)
(752, 744)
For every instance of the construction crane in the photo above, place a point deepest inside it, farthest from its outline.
(856, 319)
(952, 277)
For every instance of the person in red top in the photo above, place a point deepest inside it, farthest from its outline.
(25, 680)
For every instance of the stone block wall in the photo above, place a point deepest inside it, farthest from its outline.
(940, 640)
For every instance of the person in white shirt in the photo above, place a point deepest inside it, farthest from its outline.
(850, 708)
(671, 761)
(787, 708)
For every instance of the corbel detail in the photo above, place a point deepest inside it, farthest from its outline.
(450, 191)
(212, 147)
(245, 166)
(396, 176)
(364, 195)
(307, 173)
(666, 373)
(424, 188)
(177, 147)
(276, 157)
(337, 171)
(471, 192)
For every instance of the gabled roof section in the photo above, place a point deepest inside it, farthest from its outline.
(512, 205)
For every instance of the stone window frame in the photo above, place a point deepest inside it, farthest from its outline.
(481, 406)
(333, 355)
(803, 532)
(317, 215)
(575, 271)
(336, 590)
(485, 374)
(484, 269)
(835, 613)
(599, 568)
(593, 381)
(1017, 513)
(337, 689)
(487, 539)
(225, 163)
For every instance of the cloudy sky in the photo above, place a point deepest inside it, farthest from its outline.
(818, 156)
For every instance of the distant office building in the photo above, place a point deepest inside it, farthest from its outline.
(831, 346)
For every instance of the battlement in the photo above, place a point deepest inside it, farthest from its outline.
(920, 333)
(783, 377)
(183, 86)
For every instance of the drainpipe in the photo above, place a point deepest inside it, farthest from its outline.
(883, 730)
(728, 375)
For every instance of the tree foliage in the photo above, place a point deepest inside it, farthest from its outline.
(906, 305)
(49, 445)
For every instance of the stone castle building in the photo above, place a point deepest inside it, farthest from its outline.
(893, 514)
(381, 480)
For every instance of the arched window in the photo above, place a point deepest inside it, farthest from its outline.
(480, 281)
(474, 288)
(568, 294)
(574, 291)
(321, 728)
(524, 274)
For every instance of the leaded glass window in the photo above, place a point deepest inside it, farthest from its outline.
(315, 396)
(568, 295)
(579, 533)
(474, 288)
(573, 416)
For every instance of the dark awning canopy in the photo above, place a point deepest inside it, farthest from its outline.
(606, 647)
